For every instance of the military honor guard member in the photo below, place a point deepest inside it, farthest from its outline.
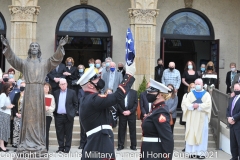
(94, 113)
(197, 112)
(157, 140)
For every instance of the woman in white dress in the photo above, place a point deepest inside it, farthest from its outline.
(50, 107)
(5, 113)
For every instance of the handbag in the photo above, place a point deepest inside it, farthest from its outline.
(171, 120)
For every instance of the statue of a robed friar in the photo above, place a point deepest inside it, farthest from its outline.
(34, 70)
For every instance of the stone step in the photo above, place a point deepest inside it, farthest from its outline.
(177, 136)
(177, 143)
(76, 128)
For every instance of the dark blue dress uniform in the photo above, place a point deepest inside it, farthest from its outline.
(94, 115)
(157, 140)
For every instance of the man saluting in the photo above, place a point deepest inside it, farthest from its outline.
(94, 113)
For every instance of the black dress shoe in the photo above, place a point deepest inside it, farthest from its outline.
(66, 151)
(80, 147)
(59, 151)
(14, 146)
(183, 150)
(4, 150)
(120, 148)
(133, 148)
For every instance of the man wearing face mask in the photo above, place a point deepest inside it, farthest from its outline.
(121, 68)
(171, 76)
(233, 116)
(202, 70)
(196, 108)
(113, 78)
(230, 76)
(94, 113)
(107, 65)
(98, 64)
(159, 70)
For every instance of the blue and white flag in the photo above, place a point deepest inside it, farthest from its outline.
(130, 50)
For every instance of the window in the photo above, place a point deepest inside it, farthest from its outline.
(187, 24)
(83, 20)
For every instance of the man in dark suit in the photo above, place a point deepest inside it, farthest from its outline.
(66, 105)
(233, 115)
(121, 68)
(144, 105)
(230, 77)
(55, 75)
(159, 71)
(127, 114)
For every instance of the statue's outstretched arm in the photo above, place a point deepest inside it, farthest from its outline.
(5, 43)
(14, 60)
(57, 58)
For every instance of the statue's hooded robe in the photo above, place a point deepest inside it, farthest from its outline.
(33, 132)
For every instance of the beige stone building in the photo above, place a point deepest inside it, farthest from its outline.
(175, 30)
(97, 28)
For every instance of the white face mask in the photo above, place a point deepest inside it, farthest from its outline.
(233, 69)
(190, 67)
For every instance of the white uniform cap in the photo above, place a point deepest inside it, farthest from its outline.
(86, 76)
(159, 86)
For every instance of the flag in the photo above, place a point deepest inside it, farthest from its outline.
(130, 51)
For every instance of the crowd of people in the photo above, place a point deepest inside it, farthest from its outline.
(65, 99)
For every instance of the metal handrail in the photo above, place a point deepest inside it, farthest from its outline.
(215, 106)
(215, 120)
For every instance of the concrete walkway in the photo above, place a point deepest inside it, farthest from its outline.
(125, 154)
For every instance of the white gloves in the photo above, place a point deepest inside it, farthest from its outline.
(131, 70)
(212, 85)
(205, 86)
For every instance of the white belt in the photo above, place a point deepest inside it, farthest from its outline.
(97, 129)
(151, 139)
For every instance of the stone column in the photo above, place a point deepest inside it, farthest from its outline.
(143, 15)
(23, 26)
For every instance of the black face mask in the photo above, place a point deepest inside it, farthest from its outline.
(22, 89)
(151, 98)
(236, 92)
(210, 68)
(120, 68)
(171, 69)
(5, 79)
(159, 65)
(99, 85)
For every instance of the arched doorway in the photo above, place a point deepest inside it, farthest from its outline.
(187, 34)
(3, 30)
(89, 34)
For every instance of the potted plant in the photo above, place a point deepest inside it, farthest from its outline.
(142, 88)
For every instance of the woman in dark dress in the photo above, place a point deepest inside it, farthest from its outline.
(157, 140)
(189, 75)
(71, 73)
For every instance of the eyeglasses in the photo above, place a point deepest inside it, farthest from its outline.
(62, 84)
